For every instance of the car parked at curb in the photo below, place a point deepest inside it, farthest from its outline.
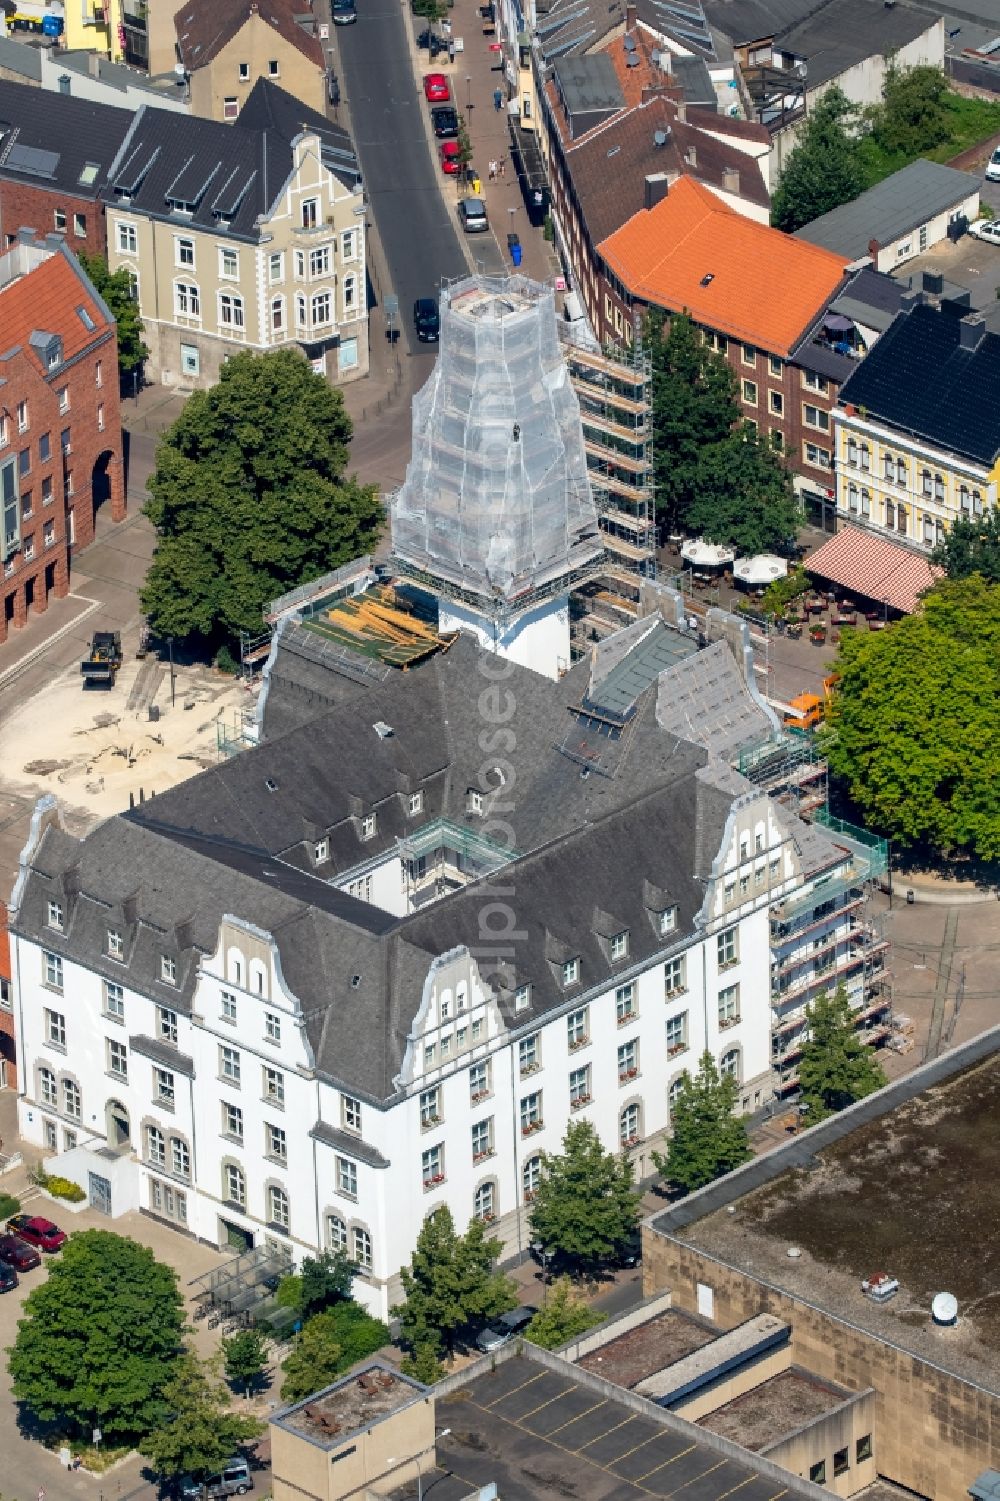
(233, 1480)
(444, 120)
(987, 230)
(490, 1340)
(427, 320)
(993, 167)
(8, 1278)
(37, 1231)
(516, 1319)
(344, 12)
(18, 1254)
(472, 212)
(451, 158)
(436, 89)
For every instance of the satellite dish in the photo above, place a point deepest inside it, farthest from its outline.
(630, 44)
(944, 1308)
(660, 138)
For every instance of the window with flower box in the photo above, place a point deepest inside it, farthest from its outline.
(628, 1061)
(630, 1125)
(479, 1082)
(625, 1004)
(432, 1166)
(531, 1113)
(578, 1028)
(579, 1087)
(482, 1140)
(677, 1034)
(529, 1054)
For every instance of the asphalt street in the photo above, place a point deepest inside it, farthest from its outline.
(419, 238)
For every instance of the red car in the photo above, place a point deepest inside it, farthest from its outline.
(37, 1232)
(451, 153)
(436, 88)
(18, 1254)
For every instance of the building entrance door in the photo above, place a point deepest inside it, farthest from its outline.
(100, 1193)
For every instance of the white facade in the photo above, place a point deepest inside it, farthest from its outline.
(538, 639)
(220, 1123)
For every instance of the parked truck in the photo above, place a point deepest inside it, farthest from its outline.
(101, 664)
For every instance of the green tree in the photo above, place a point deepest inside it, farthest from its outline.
(356, 1331)
(315, 1359)
(289, 1293)
(118, 290)
(100, 1338)
(836, 1067)
(707, 1139)
(564, 1316)
(972, 546)
(324, 1280)
(694, 407)
(423, 1365)
(911, 118)
(585, 1207)
(451, 1283)
(249, 498)
(745, 496)
(432, 10)
(197, 1432)
(464, 154)
(245, 1356)
(912, 727)
(824, 169)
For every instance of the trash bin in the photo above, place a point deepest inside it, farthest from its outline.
(515, 253)
(154, 713)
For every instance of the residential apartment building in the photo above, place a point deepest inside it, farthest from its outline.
(227, 46)
(242, 237)
(60, 430)
(918, 425)
(55, 153)
(8, 1040)
(755, 292)
(381, 1009)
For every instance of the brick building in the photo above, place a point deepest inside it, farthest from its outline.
(8, 1047)
(60, 429)
(55, 152)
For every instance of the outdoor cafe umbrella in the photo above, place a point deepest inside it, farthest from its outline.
(763, 569)
(698, 553)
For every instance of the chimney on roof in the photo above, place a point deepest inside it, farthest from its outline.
(691, 156)
(630, 17)
(682, 112)
(933, 282)
(873, 248)
(27, 236)
(94, 64)
(911, 299)
(656, 187)
(731, 180)
(971, 332)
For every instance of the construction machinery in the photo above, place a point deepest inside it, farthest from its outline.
(102, 662)
(806, 710)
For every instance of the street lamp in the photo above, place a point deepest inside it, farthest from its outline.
(468, 92)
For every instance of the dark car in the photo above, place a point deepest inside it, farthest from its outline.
(8, 1278)
(343, 12)
(517, 1319)
(37, 1231)
(18, 1254)
(445, 121)
(426, 320)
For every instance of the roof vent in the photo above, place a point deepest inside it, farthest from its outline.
(271, 784)
(632, 60)
(707, 279)
(661, 137)
(944, 1308)
(383, 731)
(794, 1252)
(355, 981)
(630, 44)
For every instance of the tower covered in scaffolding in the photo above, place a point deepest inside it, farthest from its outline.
(496, 517)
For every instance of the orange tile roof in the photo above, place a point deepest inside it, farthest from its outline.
(694, 254)
(873, 566)
(47, 299)
(645, 73)
(4, 945)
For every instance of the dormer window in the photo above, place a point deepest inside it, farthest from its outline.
(55, 918)
(368, 826)
(321, 850)
(415, 804)
(116, 944)
(619, 945)
(668, 920)
(473, 800)
(168, 969)
(522, 998)
(571, 972)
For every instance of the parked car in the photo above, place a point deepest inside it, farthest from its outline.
(472, 212)
(993, 167)
(436, 88)
(434, 43)
(427, 320)
(631, 1254)
(986, 229)
(18, 1254)
(344, 12)
(516, 1320)
(234, 1479)
(451, 158)
(491, 1340)
(8, 1278)
(37, 1231)
(445, 121)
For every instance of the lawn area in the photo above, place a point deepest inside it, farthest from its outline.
(969, 121)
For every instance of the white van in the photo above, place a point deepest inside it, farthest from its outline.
(573, 309)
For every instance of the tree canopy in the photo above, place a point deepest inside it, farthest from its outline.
(707, 1139)
(314, 1361)
(451, 1284)
(197, 1432)
(585, 1206)
(118, 291)
(563, 1316)
(836, 1067)
(972, 546)
(910, 118)
(245, 1358)
(912, 728)
(250, 498)
(824, 168)
(745, 497)
(100, 1338)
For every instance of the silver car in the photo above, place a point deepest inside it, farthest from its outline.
(472, 212)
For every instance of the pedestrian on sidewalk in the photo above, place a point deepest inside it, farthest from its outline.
(477, 186)
(493, 171)
(497, 100)
(503, 165)
(451, 49)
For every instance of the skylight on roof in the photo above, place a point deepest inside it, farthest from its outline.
(85, 318)
(89, 173)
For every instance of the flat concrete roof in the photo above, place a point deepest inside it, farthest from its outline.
(912, 1191)
(362, 1398)
(775, 1409)
(641, 1352)
(727, 1353)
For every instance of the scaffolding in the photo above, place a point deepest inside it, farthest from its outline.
(614, 389)
(444, 856)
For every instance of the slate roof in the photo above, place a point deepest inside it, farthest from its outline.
(870, 298)
(704, 699)
(610, 163)
(842, 33)
(204, 27)
(231, 173)
(58, 142)
(920, 379)
(693, 253)
(891, 209)
(225, 842)
(20, 58)
(874, 567)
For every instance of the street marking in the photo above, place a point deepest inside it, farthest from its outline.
(512, 1393)
(602, 1403)
(656, 1468)
(613, 1429)
(13, 673)
(542, 1406)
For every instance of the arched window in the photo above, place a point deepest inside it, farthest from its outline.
(630, 1125)
(71, 1099)
(531, 1176)
(156, 1147)
(729, 1064)
(235, 1185)
(484, 1201)
(277, 1206)
(336, 1233)
(362, 1248)
(47, 1087)
(673, 1093)
(180, 1157)
(300, 310)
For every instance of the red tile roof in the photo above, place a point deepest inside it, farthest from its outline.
(47, 300)
(204, 27)
(874, 567)
(644, 73)
(5, 973)
(694, 254)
